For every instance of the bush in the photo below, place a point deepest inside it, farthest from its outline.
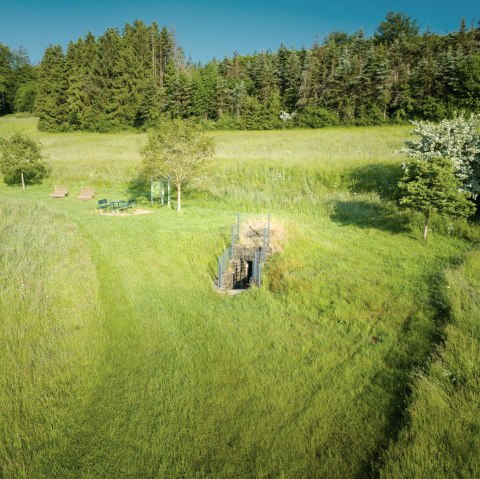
(314, 117)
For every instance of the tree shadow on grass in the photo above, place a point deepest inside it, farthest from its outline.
(139, 189)
(368, 214)
(380, 178)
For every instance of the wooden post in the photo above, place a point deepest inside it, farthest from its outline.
(23, 182)
(162, 193)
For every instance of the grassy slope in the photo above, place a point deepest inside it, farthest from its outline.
(49, 336)
(443, 438)
(302, 378)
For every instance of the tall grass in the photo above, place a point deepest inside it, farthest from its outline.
(49, 334)
(443, 437)
(111, 159)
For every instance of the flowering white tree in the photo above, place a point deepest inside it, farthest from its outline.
(457, 140)
(285, 116)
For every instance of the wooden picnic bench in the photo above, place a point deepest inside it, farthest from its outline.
(86, 193)
(60, 192)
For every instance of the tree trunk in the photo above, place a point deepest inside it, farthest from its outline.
(168, 192)
(179, 197)
(23, 182)
(425, 228)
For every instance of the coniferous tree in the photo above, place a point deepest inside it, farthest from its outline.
(6, 80)
(137, 76)
(51, 101)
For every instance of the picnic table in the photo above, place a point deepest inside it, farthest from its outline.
(121, 204)
(116, 204)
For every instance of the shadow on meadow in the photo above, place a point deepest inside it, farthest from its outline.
(367, 214)
(380, 178)
(139, 189)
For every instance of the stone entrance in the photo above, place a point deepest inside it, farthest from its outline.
(240, 271)
(251, 246)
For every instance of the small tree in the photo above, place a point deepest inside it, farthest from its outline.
(457, 139)
(431, 186)
(21, 160)
(179, 151)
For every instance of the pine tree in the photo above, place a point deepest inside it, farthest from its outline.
(6, 80)
(292, 81)
(51, 102)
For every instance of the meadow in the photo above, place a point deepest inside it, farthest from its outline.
(121, 361)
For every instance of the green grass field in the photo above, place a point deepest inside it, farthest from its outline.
(121, 361)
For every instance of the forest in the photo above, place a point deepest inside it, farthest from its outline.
(135, 77)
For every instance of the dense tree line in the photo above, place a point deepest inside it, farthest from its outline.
(135, 77)
(17, 81)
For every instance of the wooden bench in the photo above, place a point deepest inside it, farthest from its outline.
(60, 192)
(102, 204)
(86, 193)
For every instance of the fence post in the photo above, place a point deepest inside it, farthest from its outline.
(268, 242)
(162, 193)
(232, 244)
(220, 275)
(264, 247)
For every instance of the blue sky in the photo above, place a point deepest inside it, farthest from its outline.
(216, 28)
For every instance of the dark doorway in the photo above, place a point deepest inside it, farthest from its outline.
(242, 280)
(249, 272)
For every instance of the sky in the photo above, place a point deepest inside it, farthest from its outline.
(217, 28)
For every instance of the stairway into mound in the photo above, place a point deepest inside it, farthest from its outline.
(251, 246)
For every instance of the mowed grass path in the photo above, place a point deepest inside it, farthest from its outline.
(304, 377)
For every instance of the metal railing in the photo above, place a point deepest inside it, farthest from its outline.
(259, 259)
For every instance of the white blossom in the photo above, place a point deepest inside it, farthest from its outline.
(285, 116)
(457, 139)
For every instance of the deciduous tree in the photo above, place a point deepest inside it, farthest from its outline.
(431, 186)
(179, 151)
(457, 140)
(21, 160)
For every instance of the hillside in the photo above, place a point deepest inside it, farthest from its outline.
(122, 361)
